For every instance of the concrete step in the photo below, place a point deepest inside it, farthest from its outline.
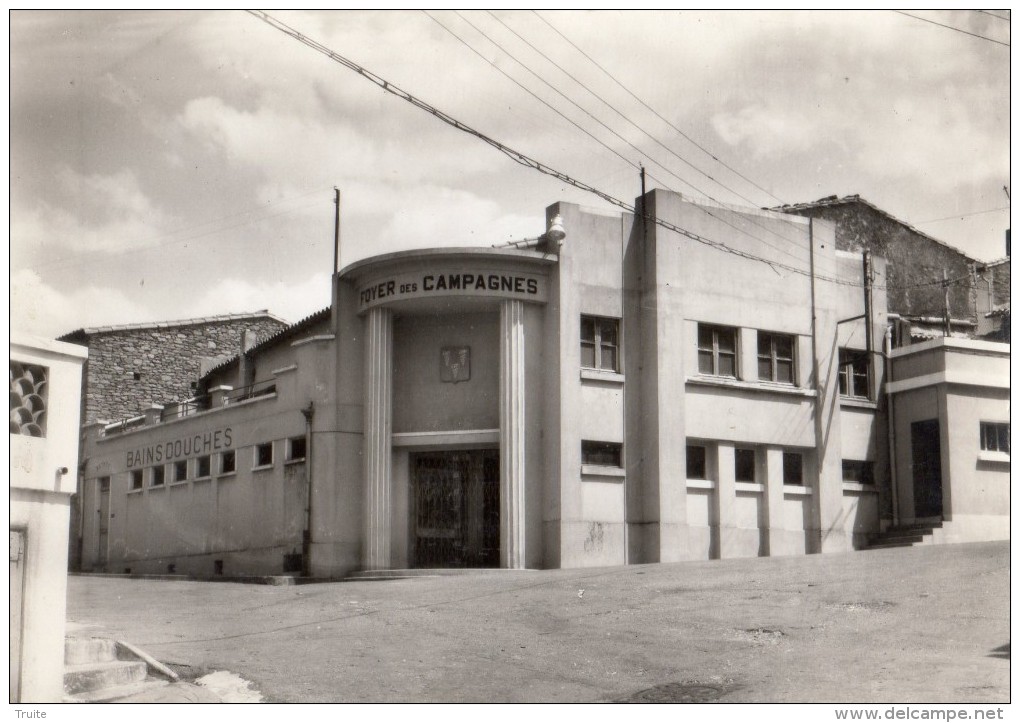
(885, 544)
(117, 692)
(81, 650)
(86, 677)
(430, 572)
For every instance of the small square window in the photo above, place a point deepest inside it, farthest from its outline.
(203, 466)
(180, 471)
(859, 471)
(697, 462)
(717, 350)
(602, 454)
(793, 468)
(995, 437)
(743, 462)
(158, 476)
(775, 358)
(295, 449)
(600, 342)
(136, 479)
(136, 376)
(264, 454)
(228, 462)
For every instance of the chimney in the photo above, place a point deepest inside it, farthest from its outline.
(245, 369)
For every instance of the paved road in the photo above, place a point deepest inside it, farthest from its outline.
(925, 624)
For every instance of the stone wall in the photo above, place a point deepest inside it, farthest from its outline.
(130, 369)
(915, 260)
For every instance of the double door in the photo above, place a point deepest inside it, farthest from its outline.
(455, 509)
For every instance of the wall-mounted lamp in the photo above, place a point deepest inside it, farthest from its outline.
(552, 239)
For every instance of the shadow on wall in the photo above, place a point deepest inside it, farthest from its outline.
(1000, 652)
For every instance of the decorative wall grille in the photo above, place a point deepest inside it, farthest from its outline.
(28, 399)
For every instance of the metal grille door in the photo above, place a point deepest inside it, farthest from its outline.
(456, 509)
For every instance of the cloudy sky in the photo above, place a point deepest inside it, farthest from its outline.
(167, 165)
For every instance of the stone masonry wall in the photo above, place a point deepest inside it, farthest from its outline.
(914, 260)
(166, 361)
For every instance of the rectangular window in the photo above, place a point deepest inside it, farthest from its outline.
(602, 454)
(775, 358)
(264, 454)
(104, 484)
(158, 476)
(854, 376)
(697, 467)
(995, 437)
(793, 468)
(295, 449)
(743, 464)
(859, 471)
(228, 462)
(180, 471)
(136, 479)
(717, 350)
(203, 466)
(600, 342)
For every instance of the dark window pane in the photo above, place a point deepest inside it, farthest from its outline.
(587, 355)
(784, 371)
(727, 340)
(587, 328)
(765, 368)
(793, 470)
(264, 455)
(727, 365)
(696, 468)
(158, 476)
(203, 467)
(180, 471)
(705, 362)
(783, 346)
(743, 460)
(609, 331)
(608, 360)
(1003, 440)
(297, 448)
(604, 454)
(228, 462)
(136, 479)
(704, 337)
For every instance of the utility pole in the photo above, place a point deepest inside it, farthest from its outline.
(644, 212)
(945, 304)
(868, 300)
(336, 231)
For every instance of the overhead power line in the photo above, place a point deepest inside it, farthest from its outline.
(752, 221)
(962, 215)
(989, 12)
(657, 114)
(533, 95)
(950, 27)
(619, 112)
(534, 164)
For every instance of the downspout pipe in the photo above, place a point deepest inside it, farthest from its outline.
(306, 538)
(891, 424)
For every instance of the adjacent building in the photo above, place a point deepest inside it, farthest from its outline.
(45, 381)
(615, 391)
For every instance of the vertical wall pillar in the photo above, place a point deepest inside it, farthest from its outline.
(511, 433)
(726, 499)
(378, 445)
(774, 501)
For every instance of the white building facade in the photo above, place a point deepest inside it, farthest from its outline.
(629, 394)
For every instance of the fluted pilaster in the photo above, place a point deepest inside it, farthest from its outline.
(511, 433)
(378, 428)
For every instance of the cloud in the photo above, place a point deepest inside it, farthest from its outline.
(40, 309)
(96, 214)
(290, 300)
